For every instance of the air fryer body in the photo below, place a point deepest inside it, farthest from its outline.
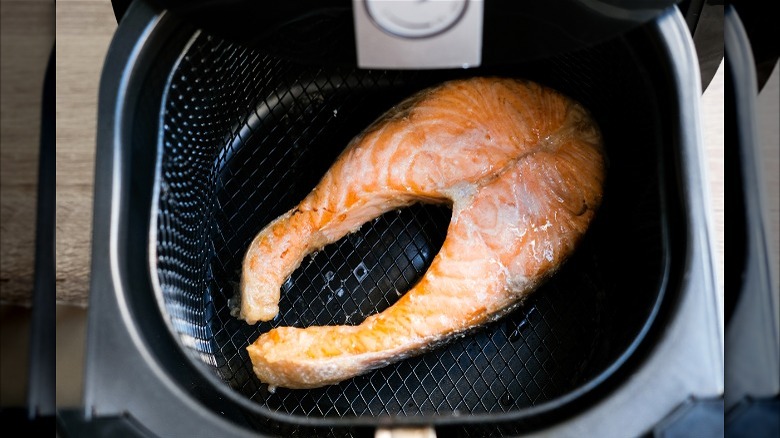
(202, 140)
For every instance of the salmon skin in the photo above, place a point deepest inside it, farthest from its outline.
(522, 168)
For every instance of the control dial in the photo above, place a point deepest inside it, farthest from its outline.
(415, 18)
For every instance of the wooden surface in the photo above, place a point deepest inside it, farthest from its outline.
(26, 41)
(768, 123)
(84, 32)
(84, 29)
(712, 137)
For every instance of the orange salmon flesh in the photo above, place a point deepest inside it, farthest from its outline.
(520, 164)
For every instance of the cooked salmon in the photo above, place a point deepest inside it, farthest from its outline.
(520, 164)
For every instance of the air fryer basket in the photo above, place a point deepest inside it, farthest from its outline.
(247, 132)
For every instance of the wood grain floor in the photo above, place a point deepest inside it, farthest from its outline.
(84, 32)
(26, 42)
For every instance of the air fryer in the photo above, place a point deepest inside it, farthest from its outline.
(206, 135)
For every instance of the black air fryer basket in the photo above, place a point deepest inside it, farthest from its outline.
(204, 139)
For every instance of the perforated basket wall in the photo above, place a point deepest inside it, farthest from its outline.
(248, 132)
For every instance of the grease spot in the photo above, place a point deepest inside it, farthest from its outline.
(360, 272)
(329, 276)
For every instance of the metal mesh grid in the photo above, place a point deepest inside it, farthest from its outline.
(247, 135)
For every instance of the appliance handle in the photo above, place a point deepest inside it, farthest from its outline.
(405, 432)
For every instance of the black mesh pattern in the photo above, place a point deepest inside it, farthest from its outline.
(247, 135)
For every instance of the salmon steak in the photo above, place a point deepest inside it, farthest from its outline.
(522, 167)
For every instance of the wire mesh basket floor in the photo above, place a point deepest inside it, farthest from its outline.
(246, 135)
